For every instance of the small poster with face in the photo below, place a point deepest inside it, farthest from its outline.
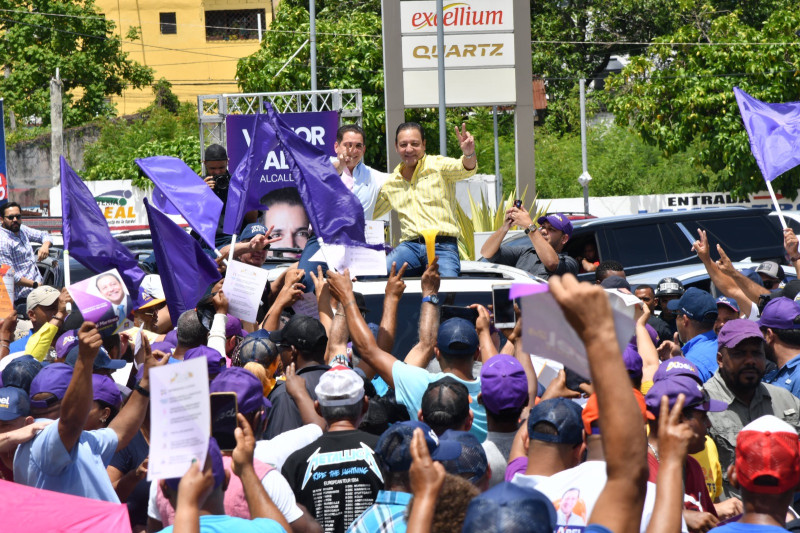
(104, 300)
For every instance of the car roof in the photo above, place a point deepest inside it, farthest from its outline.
(693, 214)
(689, 273)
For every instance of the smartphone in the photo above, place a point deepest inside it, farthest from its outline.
(224, 407)
(518, 203)
(504, 316)
(455, 311)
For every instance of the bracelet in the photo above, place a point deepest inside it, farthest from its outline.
(470, 156)
(5, 343)
(141, 390)
(349, 303)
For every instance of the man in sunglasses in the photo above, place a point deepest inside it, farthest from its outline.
(16, 251)
(771, 274)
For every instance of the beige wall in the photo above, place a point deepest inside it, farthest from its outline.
(186, 59)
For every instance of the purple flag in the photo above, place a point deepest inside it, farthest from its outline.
(186, 270)
(774, 131)
(180, 191)
(86, 233)
(334, 211)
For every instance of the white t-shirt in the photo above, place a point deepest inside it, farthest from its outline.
(276, 450)
(495, 447)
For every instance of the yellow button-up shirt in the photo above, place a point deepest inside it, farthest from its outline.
(428, 200)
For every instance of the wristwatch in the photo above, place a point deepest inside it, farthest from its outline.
(433, 298)
(35, 284)
(530, 229)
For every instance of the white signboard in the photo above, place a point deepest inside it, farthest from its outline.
(419, 17)
(465, 87)
(472, 50)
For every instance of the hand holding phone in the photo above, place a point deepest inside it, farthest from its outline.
(503, 307)
(224, 408)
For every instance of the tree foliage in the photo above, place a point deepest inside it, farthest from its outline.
(678, 96)
(73, 37)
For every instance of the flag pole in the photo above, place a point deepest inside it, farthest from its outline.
(775, 203)
(233, 245)
(67, 276)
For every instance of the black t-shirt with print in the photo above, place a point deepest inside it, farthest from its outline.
(336, 477)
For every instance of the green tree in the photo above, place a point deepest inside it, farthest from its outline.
(681, 96)
(39, 36)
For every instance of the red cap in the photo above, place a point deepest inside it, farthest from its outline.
(591, 412)
(768, 456)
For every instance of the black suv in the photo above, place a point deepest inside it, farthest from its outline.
(651, 241)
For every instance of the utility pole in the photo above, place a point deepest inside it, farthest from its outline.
(56, 128)
(442, 103)
(312, 13)
(584, 178)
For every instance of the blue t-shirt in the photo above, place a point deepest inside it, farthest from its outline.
(786, 377)
(702, 351)
(19, 344)
(410, 383)
(739, 527)
(45, 463)
(224, 524)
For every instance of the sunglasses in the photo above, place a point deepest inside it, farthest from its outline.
(13, 217)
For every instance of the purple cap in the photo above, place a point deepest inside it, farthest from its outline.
(54, 378)
(248, 389)
(14, 403)
(677, 366)
(780, 313)
(233, 326)
(162, 346)
(633, 361)
(65, 343)
(653, 334)
(105, 390)
(213, 358)
(696, 397)
(728, 302)
(217, 466)
(559, 221)
(394, 446)
(735, 331)
(504, 384)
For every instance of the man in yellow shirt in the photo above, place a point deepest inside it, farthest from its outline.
(422, 190)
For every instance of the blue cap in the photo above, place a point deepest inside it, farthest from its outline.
(507, 503)
(14, 403)
(101, 362)
(252, 230)
(394, 446)
(471, 463)
(20, 372)
(564, 415)
(559, 221)
(695, 303)
(728, 302)
(457, 336)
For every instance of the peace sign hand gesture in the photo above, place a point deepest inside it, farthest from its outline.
(465, 140)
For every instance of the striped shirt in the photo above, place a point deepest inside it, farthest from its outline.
(428, 201)
(386, 515)
(16, 251)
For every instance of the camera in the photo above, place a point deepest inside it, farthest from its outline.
(222, 181)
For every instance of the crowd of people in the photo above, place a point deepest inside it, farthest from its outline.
(693, 426)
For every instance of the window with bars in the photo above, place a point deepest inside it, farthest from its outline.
(233, 25)
(168, 23)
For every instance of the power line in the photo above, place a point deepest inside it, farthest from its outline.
(658, 43)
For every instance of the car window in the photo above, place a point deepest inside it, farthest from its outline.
(743, 237)
(639, 245)
(408, 314)
(677, 244)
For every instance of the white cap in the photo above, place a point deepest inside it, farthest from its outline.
(339, 386)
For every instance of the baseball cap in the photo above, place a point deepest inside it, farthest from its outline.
(20, 372)
(339, 386)
(728, 302)
(669, 286)
(151, 292)
(767, 456)
(457, 336)
(105, 389)
(255, 348)
(14, 403)
(445, 402)
(633, 361)
(696, 397)
(735, 331)
(213, 358)
(217, 467)
(233, 327)
(471, 463)
(54, 378)
(101, 362)
(303, 332)
(252, 230)
(507, 505)
(248, 389)
(561, 413)
(695, 303)
(771, 269)
(780, 313)
(591, 411)
(615, 282)
(43, 295)
(65, 343)
(677, 366)
(394, 445)
(504, 384)
(559, 221)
